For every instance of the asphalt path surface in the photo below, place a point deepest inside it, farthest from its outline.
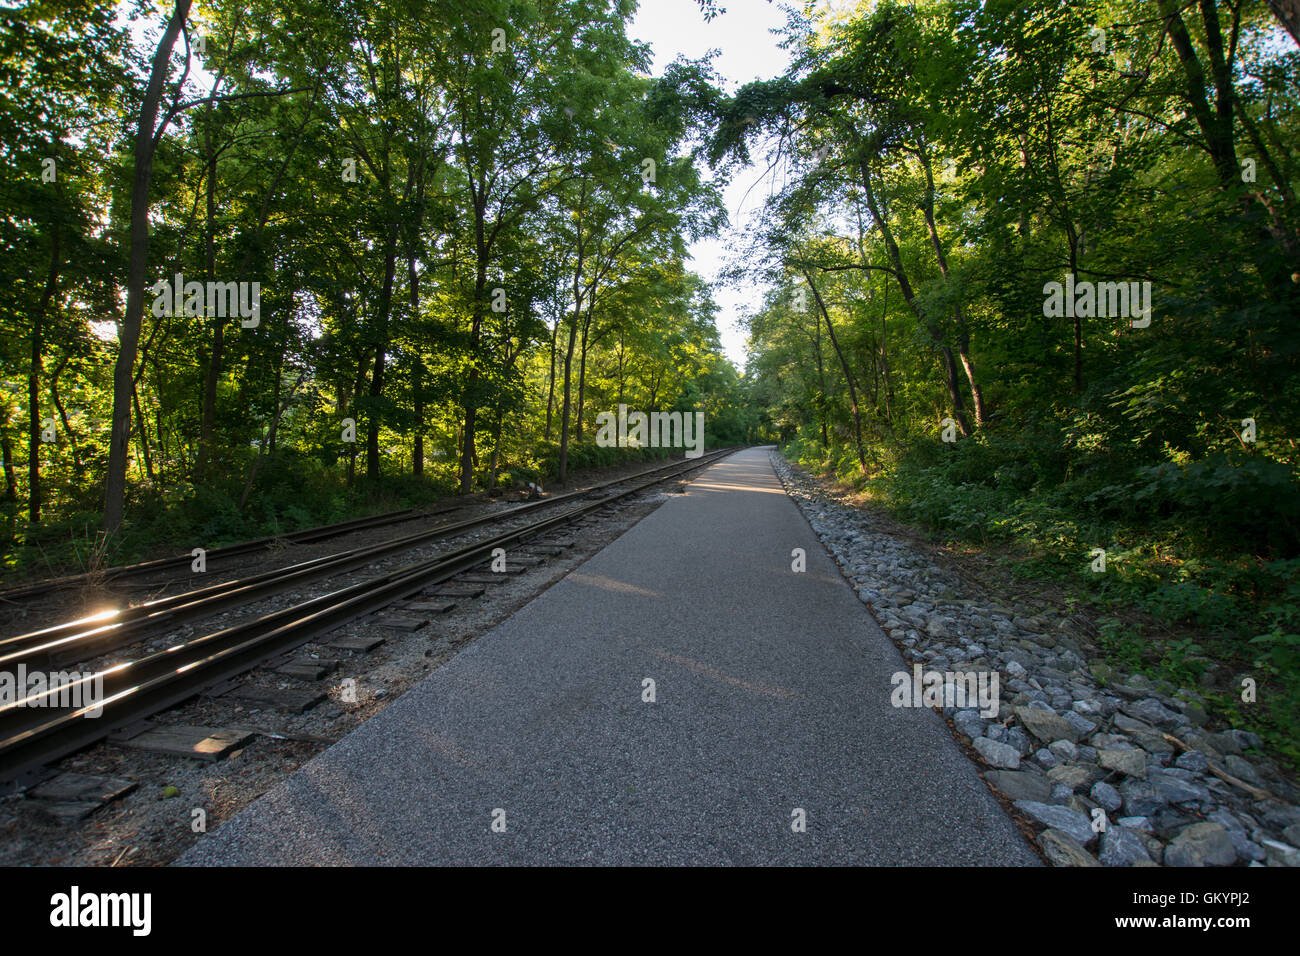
(536, 745)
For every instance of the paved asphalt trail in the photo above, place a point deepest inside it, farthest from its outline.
(772, 693)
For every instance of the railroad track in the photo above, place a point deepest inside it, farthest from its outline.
(86, 637)
(38, 589)
(46, 726)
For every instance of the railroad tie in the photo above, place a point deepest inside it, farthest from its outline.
(309, 668)
(200, 743)
(401, 623)
(288, 700)
(69, 797)
(361, 643)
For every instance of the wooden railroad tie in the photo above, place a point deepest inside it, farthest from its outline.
(288, 700)
(69, 797)
(308, 668)
(200, 743)
(360, 644)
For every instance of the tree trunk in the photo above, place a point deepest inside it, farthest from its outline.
(1215, 121)
(496, 452)
(34, 382)
(564, 413)
(482, 252)
(550, 390)
(949, 365)
(822, 398)
(884, 359)
(143, 430)
(1072, 242)
(573, 334)
(963, 333)
(208, 424)
(848, 376)
(417, 375)
(417, 455)
(1288, 14)
(381, 351)
(138, 264)
(356, 393)
(77, 462)
(582, 377)
(7, 450)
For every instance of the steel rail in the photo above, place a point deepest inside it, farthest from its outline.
(306, 535)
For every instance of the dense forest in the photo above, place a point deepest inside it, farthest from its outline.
(1035, 275)
(266, 264)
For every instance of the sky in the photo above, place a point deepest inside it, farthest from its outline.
(748, 51)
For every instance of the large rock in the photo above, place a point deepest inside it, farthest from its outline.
(1242, 769)
(1064, 750)
(1089, 708)
(1081, 724)
(1194, 761)
(1281, 854)
(1247, 849)
(1202, 744)
(1047, 726)
(1132, 763)
(1201, 844)
(1063, 850)
(1227, 819)
(1136, 823)
(1277, 815)
(970, 723)
(1020, 784)
(1176, 790)
(1225, 743)
(1015, 737)
(1153, 712)
(1070, 822)
(1143, 734)
(1235, 741)
(1070, 775)
(997, 754)
(1107, 797)
(1082, 804)
(1169, 822)
(1141, 799)
(1121, 846)
(1193, 712)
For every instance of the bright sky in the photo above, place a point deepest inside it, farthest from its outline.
(748, 52)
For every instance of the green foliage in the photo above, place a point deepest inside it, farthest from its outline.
(947, 161)
(414, 186)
